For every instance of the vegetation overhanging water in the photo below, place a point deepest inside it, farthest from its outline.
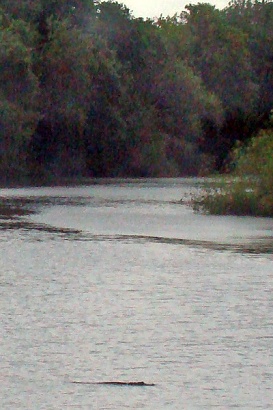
(89, 90)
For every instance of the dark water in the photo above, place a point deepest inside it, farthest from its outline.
(123, 281)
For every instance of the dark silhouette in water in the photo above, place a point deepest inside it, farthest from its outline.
(119, 383)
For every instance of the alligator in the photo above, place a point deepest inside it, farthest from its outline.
(116, 383)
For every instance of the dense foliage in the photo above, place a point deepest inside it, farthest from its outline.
(89, 90)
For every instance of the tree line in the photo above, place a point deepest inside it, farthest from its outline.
(89, 90)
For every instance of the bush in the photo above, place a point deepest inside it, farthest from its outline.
(250, 192)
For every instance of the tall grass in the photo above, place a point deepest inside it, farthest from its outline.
(250, 190)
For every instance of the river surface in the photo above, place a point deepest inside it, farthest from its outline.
(123, 281)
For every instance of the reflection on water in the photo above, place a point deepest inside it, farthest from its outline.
(122, 281)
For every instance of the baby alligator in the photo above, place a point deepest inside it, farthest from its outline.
(119, 383)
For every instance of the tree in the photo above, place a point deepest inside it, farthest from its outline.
(255, 18)
(19, 108)
(64, 68)
(182, 101)
(220, 54)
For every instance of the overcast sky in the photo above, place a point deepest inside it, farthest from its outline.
(153, 8)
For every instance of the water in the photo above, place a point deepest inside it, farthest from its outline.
(123, 281)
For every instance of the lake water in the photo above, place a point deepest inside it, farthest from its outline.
(122, 281)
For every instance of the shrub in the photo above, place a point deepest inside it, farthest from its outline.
(250, 192)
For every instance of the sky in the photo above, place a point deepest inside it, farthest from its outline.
(153, 8)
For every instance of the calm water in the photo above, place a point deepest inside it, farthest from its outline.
(123, 281)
